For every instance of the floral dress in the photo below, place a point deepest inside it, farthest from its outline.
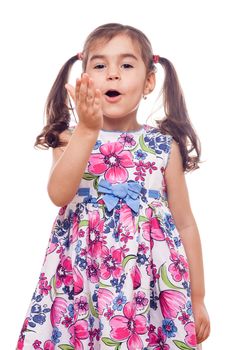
(115, 274)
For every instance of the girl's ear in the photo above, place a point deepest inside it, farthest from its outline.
(149, 83)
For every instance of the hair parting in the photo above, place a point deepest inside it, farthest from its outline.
(176, 121)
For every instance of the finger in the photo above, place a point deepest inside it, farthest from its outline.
(197, 327)
(201, 331)
(83, 89)
(206, 333)
(77, 89)
(90, 93)
(97, 100)
(71, 91)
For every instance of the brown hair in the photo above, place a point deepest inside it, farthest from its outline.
(176, 121)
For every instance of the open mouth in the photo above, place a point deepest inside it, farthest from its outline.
(112, 93)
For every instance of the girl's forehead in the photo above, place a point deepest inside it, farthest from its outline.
(120, 43)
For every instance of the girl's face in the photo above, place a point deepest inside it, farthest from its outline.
(118, 70)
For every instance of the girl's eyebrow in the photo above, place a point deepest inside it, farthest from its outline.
(123, 55)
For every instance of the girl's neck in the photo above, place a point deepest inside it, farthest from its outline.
(121, 125)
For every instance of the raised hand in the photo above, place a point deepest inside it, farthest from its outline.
(87, 101)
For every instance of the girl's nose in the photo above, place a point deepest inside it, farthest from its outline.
(113, 74)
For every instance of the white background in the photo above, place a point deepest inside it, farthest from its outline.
(37, 37)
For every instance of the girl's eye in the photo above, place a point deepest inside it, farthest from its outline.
(127, 65)
(99, 66)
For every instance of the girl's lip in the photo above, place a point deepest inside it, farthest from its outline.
(112, 99)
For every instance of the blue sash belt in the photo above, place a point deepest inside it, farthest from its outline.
(128, 191)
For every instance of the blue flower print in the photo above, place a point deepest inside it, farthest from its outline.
(78, 246)
(119, 301)
(177, 241)
(56, 335)
(71, 310)
(40, 318)
(62, 227)
(189, 308)
(169, 223)
(159, 143)
(169, 328)
(97, 144)
(139, 154)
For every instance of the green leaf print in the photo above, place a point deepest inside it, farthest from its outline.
(181, 345)
(95, 183)
(144, 147)
(52, 284)
(93, 310)
(83, 223)
(142, 218)
(110, 342)
(104, 285)
(147, 309)
(66, 347)
(89, 177)
(127, 258)
(163, 273)
(118, 346)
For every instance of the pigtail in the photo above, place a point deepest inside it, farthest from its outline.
(56, 110)
(176, 121)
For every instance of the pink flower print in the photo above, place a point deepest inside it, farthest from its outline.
(67, 321)
(109, 313)
(105, 298)
(127, 140)
(51, 247)
(151, 166)
(78, 331)
(62, 210)
(36, 344)
(64, 272)
(43, 285)
(128, 327)
(171, 302)
(151, 228)
(152, 268)
(112, 161)
(140, 300)
(95, 229)
(190, 338)
(75, 230)
(112, 263)
(20, 344)
(93, 271)
(140, 171)
(136, 277)
(78, 280)
(58, 310)
(179, 267)
(127, 221)
(142, 248)
(158, 340)
(48, 345)
(184, 318)
(81, 305)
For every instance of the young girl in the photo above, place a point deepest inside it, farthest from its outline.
(123, 268)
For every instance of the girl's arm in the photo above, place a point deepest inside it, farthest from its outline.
(178, 201)
(69, 164)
